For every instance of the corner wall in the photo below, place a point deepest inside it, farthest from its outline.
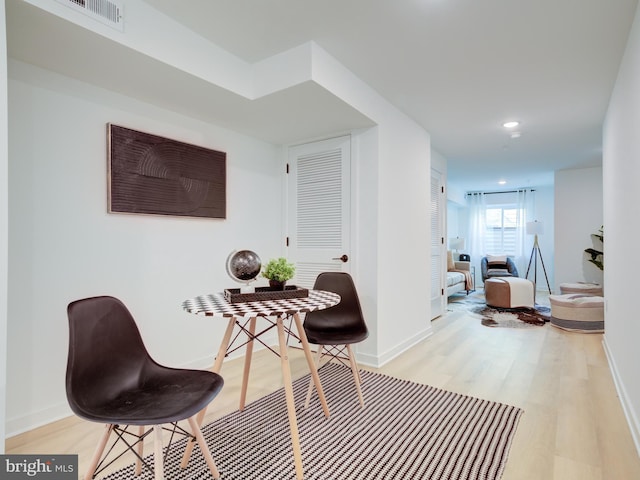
(397, 195)
(578, 214)
(65, 246)
(621, 173)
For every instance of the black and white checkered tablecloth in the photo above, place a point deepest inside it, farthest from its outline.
(216, 305)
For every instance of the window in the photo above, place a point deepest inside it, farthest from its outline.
(501, 234)
(497, 222)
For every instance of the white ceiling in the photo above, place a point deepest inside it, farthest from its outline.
(460, 68)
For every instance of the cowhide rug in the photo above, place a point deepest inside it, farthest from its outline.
(501, 317)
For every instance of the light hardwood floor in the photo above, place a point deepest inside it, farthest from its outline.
(573, 426)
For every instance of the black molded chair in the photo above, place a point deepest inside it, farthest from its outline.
(335, 329)
(112, 379)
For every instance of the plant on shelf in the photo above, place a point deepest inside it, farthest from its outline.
(597, 256)
(278, 271)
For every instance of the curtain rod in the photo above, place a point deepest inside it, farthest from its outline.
(504, 191)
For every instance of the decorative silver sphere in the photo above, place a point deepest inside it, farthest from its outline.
(243, 266)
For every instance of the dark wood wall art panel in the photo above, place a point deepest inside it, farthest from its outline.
(149, 174)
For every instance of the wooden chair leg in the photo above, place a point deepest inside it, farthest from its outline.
(99, 451)
(157, 453)
(140, 450)
(204, 448)
(217, 366)
(356, 374)
(310, 389)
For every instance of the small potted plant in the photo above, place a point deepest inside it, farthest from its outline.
(278, 271)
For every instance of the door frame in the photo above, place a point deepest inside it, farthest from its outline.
(441, 243)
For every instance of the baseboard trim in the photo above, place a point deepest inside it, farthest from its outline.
(33, 420)
(378, 361)
(627, 408)
(17, 425)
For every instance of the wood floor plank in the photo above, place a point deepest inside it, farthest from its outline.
(573, 425)
(572, 470)
(532, 451)
(576, 437)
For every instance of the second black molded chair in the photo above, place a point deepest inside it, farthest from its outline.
(335, 329)
(111, 379)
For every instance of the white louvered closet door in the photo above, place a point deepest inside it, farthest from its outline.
(318, 208)
(437, 245)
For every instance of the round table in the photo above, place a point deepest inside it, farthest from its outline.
(244, 316)
(216, 305)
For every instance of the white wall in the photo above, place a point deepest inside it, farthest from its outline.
(544, 211)
(4, 211)
(456, 195)
(400, 202)
(578, 214)
(457, 214)
(621, 173)
(403, 236)
(453, 222)
(439, 163)
(64, 245)
(364, 238)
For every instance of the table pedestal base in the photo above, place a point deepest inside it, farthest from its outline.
(286, 375)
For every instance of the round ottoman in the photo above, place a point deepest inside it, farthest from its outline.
(581, 287)
(509, 292)
(576, 312)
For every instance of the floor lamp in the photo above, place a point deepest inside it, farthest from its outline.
(536, 228)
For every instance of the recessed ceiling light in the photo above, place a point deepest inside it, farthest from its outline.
(515, 134)
(510, 124)
(502, 182)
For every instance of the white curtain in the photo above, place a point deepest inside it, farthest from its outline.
(523, 200)
(477, 225)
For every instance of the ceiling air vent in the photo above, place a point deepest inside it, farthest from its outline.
(109, 12)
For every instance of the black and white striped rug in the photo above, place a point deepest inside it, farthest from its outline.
(406, 431)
